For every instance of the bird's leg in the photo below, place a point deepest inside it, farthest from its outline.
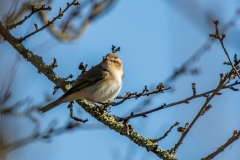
(104, 107)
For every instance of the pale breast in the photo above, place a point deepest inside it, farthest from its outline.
(106, 90)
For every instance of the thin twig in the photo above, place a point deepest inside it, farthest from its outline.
(221, 38)
(166, 133)
(60, 14)
(160, 89)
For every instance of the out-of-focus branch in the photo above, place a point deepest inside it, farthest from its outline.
(13, 15)
(235, 136)
(184, 68)
(24, 109)
(18, 10)
(50, 132)
(67, 33)
(34, 10)
(16, 110)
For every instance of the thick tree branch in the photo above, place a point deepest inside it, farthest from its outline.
(29, 56)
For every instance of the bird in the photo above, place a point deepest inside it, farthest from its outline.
(100, 84)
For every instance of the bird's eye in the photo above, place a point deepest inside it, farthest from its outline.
(113, 60)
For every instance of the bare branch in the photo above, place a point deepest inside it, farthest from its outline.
(201, 50)
(221, 38)
(67, 33)
(159, 89)
(60, 14)
(33, 10)
(186, 101)
(166, 133)
(204, 108)
(235, 136)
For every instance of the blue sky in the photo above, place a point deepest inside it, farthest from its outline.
(155, 38)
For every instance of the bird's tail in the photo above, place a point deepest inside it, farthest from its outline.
(51, 105)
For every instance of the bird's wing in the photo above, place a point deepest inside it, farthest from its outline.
(93, 76)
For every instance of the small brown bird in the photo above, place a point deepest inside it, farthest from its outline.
(100, 84)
